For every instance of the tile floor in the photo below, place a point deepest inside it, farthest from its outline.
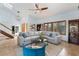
(9, 47)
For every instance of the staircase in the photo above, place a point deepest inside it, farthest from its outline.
(5, 32)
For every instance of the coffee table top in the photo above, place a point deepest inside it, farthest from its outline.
(35, 46)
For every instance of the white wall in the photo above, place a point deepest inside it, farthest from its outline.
(62, 16)
(7, 18)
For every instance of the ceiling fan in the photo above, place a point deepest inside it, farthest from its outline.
(38, 8)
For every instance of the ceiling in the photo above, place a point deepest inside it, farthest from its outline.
(53, 9)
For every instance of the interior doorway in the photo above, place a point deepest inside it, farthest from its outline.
(38, 27)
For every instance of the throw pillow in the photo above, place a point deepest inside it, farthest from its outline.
(24, 35)
(50, 35)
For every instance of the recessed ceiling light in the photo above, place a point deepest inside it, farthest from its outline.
(18, 11)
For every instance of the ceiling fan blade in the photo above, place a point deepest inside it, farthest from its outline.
(33, 9)
(36, 5)
(44, 8)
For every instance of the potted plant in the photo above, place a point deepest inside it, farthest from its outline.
(36, 42)
(42, 37)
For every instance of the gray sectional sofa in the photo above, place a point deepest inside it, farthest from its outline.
(26, 38)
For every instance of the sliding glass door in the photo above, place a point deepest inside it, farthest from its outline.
(59, 27)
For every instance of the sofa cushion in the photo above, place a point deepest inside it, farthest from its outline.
(36, 33)
(55, 34)
(32, 38)
(31, 33)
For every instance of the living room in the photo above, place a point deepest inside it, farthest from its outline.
(54, 24)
